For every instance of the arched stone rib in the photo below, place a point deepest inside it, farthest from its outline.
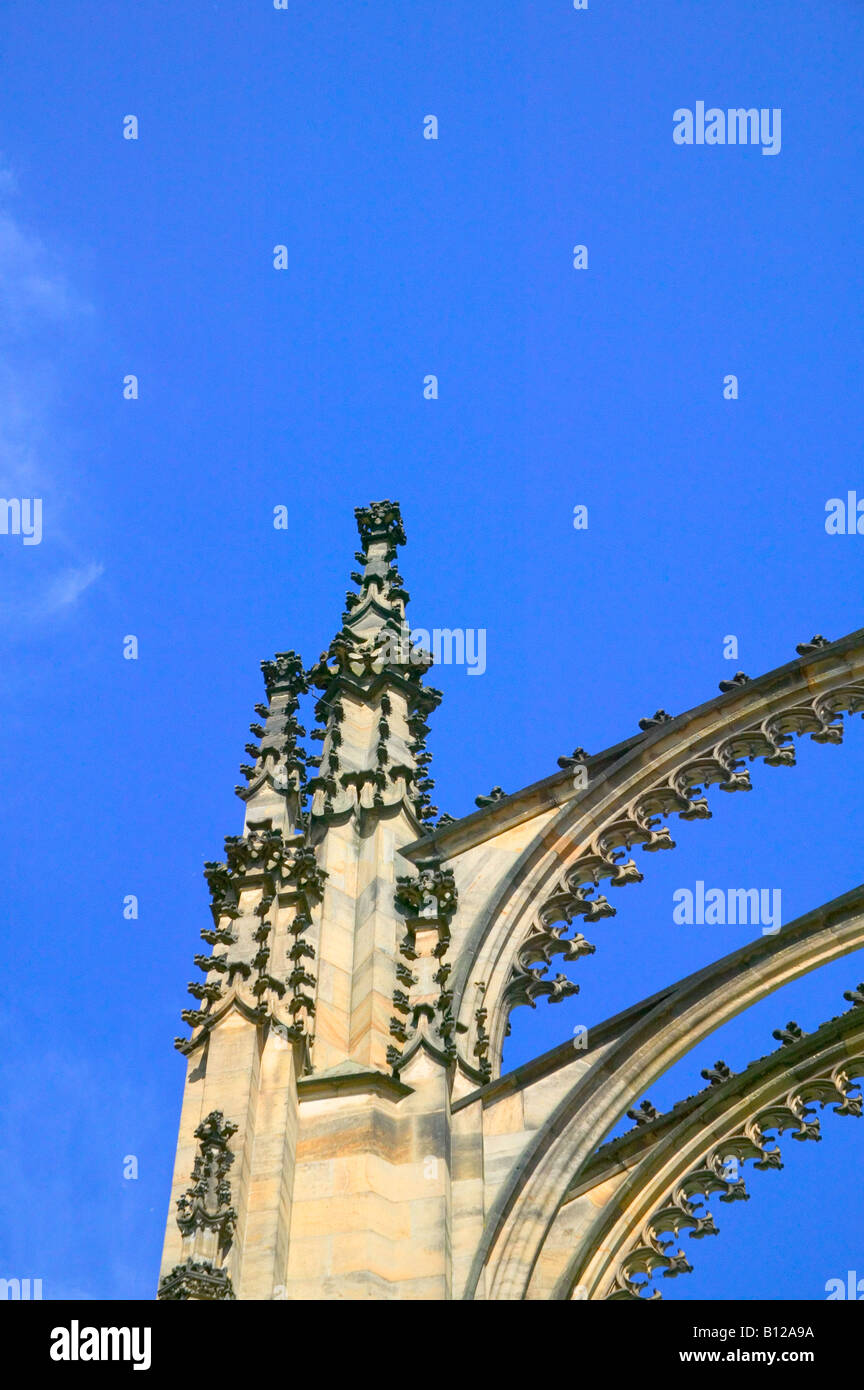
(527, 1204)
(571, 851)
(684, 1163)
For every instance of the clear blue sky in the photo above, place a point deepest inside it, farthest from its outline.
(304, 387)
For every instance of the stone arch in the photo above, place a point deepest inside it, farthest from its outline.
(666, 1191)
(636, 788)
(662, 1030)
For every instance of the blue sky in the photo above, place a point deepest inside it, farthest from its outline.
(304, 387)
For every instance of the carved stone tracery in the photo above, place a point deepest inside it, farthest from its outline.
(652, 1251)
(680, 792)
(206, 1218)
(423, 1000)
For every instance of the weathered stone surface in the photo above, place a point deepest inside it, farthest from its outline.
(346, 1132)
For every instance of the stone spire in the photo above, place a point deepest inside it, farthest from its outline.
(378, 757)
(326, 965)
(277, 775)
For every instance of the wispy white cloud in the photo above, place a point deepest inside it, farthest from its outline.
(33, 287)
(29, 285)
(65, 588)
(36, 301)
(30, 599)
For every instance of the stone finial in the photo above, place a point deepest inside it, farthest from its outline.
(659, 717)
(643, 1114)
(717, 1074)
(578, 756)
(205, 1206)
(814, 645)
(496, 794)
(380, 521)
(792, 1033)
(284, 675)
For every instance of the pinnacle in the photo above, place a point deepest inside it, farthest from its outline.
(380, 521)
(375, 635)
(374, 630)
(371, 664)
(277, 772)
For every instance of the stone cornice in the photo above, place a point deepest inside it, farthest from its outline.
(336, 1082)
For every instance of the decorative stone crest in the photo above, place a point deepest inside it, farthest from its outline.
(196, 1281)
(718, 1171)
(423, 998)
(206, 1218)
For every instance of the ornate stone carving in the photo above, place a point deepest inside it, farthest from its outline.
(248, 973)
(653, 1253)
(529, 981)
(577, 757)
(423, 999)
(374, 658)
(206, 1218)
(206, 1204)
(737, 680)
(196, 1281)
(481, 1037)
(380, 521)
(717, 1074)
(496, 794)
(279, 760)
(659, 717)
(643, 1114)
(284, 675)
(684, 1209)
(814, 645)
(792, 1033)
(681, 794)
